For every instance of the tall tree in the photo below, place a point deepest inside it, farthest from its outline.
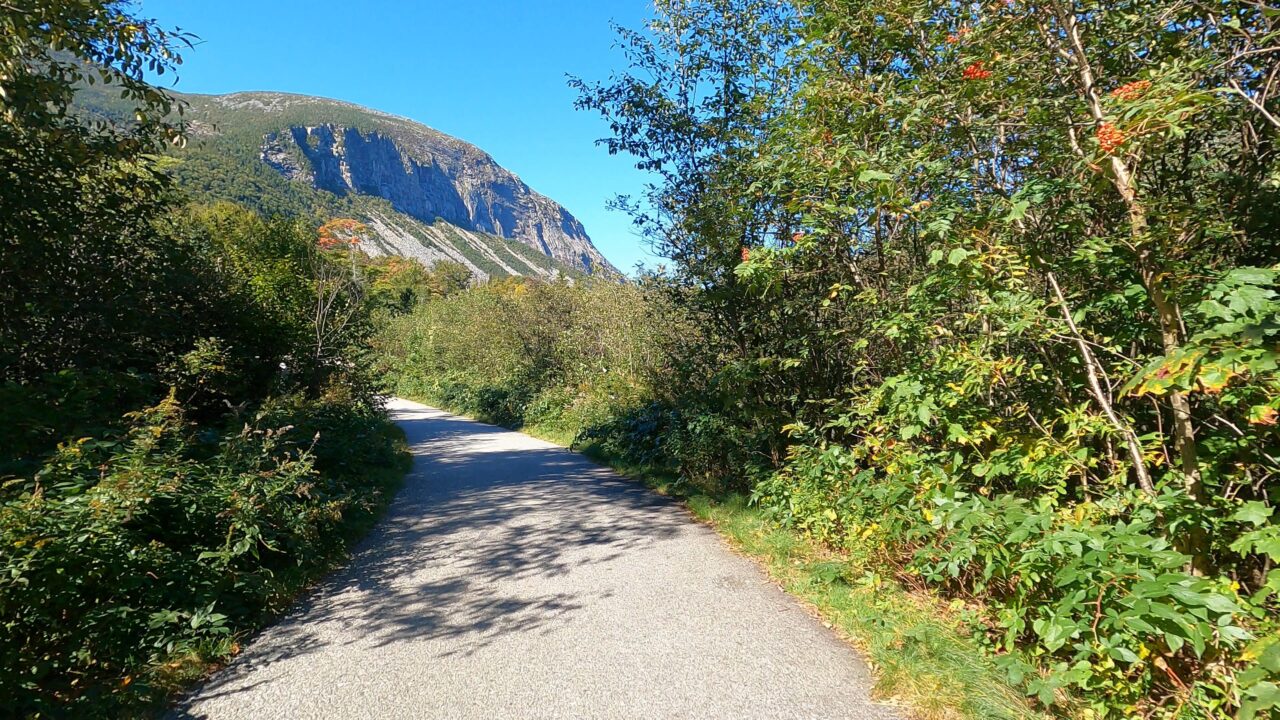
(78, 255)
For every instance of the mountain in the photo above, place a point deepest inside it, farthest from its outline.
(425, 194)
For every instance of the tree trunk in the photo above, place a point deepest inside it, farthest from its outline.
(1152, 276)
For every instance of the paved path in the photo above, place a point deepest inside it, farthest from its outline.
(514, 579)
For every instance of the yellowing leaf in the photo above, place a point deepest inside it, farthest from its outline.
(1262, 415)
(1213, 379)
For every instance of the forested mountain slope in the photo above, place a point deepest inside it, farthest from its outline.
(425, 195)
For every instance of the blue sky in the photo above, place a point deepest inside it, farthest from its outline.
(491, 72)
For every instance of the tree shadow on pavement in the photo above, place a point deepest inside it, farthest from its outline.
(482, 516)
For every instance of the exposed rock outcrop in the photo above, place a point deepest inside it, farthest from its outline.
(423, 173)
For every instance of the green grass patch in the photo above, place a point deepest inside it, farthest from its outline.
(919, 656)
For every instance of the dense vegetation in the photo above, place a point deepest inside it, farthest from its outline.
(983, 296)
(980, 297)
(186, 434)
(998, 284)
(557, 356)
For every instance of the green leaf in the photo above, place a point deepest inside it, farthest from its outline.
(1123, 654)
(1254, 512)
(1187, 596)
(1018, 211)
(1273, 581)
(1252, 276)
(1221, 604)
(1263, 696)
(924, 414)
(1269, 546)
(1270, 658)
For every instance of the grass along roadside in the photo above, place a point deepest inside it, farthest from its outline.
(919, 657)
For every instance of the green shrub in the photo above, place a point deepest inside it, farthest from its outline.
(185, 435)
(987, 295)
(162, 543)
(517, 352)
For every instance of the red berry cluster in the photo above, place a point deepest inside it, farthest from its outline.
(1131, 91)
(746, 254)
(976, 71)
(1109, 137)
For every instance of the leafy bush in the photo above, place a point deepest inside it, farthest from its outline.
(988, 293)
(559, 355)
(35, 417)
(162, 543)
(185, 435)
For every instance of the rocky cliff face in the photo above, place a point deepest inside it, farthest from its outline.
(343, 149)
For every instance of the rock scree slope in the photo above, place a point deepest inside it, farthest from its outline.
(513, 578)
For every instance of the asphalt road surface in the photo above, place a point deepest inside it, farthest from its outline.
(512, 578)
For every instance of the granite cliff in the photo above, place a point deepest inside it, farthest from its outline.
(427, 194)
